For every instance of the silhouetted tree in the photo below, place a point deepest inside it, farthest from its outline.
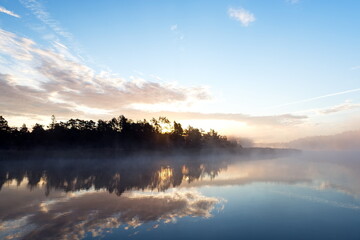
(24, 129)
(4, 127)
(38, 129)
(193, 137)
(53, 121)
(118, 133)
(177, 135)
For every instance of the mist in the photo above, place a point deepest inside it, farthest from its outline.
(343, 141)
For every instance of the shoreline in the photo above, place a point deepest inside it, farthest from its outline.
(119, 154)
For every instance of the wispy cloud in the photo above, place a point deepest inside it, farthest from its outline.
(38, 82)
(355, 67)
(319, 97)
(176, 31)
(40, 12)
(270, 120)
(8, 12)
(173, 27)
(242, 15)
(342, 107)
(293, 1)
(62, 85)
(339, 108)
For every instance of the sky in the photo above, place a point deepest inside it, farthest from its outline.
(269, 71)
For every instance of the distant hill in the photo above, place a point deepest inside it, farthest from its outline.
(343, 141)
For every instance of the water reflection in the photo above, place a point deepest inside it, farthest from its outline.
(338, 171)
(69, 198)
(71, 216)
(74, 199)
(113, 175)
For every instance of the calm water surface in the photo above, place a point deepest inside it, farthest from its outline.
(308, 196)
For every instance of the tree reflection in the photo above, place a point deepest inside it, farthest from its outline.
(114, 176)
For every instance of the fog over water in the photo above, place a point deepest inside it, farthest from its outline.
(179, 120)
(85, 199)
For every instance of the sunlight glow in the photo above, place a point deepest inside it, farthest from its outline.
(221, 126)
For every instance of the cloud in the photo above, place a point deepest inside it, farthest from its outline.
(40, 12)
(173, 27)
(280, 120)
(293, 1)
(38, 81)
(355, 67)
(340, 108)
(242, 15)
(8, 12)
(178, 34)
(52, 82)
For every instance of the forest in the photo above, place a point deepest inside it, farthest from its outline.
(118, 133)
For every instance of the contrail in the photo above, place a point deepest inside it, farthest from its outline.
(4, 10)
(320, 97)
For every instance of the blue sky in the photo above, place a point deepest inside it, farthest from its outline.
(249, 68)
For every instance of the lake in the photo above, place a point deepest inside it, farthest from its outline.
(313, 195)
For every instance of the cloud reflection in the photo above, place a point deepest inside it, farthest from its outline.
(97, 212)
(318, 170)
(79, 202)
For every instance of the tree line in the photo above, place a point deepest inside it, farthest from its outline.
(118, 133)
